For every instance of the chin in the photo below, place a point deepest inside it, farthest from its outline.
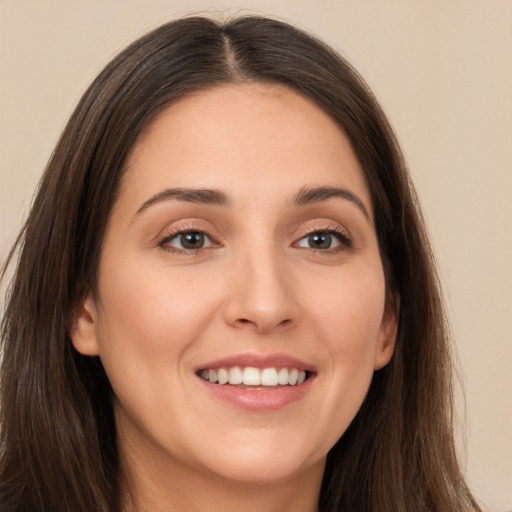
(263, 464)
(265, 471)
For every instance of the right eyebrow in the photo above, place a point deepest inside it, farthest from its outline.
(191, 195)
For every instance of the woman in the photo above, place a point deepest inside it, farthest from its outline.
(225, 295)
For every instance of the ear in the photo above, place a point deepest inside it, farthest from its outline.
(84, 329)
(387, 334)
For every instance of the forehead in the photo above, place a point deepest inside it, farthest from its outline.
(256, 139)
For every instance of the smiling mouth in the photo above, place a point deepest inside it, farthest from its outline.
(255, 378)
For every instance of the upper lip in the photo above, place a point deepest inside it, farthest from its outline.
(260, 361)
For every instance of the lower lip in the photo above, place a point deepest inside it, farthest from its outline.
(258, 399)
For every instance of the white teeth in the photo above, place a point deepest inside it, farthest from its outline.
(283, 376)
(269, 377)
(250, 376)
(235, 376)
(222, 376)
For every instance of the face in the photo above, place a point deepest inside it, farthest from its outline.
(240, 311)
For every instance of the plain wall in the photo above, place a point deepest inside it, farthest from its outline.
(442, 70)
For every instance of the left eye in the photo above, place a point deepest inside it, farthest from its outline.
(188, 240)
(321, 240)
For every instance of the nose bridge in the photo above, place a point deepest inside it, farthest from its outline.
(261, 294)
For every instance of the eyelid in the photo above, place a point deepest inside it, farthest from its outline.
(324, 226)
(344, 237)
(170, 233)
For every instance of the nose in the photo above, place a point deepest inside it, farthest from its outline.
(261, 294)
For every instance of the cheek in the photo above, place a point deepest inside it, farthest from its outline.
(349, 311)
(147, 323)
(348, 322)
(152, 306)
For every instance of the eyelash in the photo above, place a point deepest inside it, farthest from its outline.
(163, 243)
(343, 238)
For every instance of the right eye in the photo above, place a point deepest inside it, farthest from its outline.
(189, 240)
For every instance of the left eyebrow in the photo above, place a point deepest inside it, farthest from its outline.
(308, 195)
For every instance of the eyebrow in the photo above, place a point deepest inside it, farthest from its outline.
(309, 195)
(191, 195)
(305, 196)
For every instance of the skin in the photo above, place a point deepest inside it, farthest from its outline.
(257, 286)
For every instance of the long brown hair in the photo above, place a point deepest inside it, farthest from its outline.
(58, 448)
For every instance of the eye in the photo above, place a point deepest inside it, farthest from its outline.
(326, 240)
(187, 241)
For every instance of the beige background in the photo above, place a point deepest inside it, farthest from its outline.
(442, 70)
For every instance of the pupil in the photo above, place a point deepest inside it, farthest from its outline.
(192, 240)
(320, 240)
